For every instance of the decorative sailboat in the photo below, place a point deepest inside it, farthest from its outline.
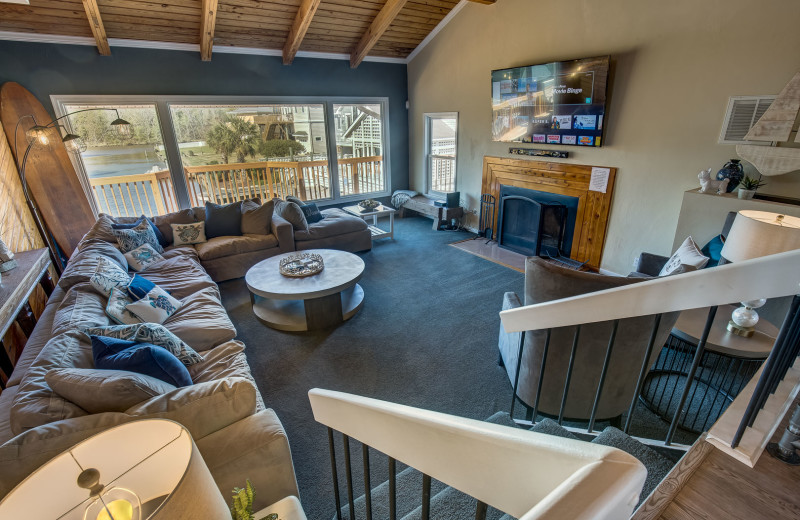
(775, 126)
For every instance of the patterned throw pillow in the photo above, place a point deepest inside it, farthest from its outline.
(150, 302)
(116, 307)
(109, 275)
(141, 257)
(186, 234)
(149, 333)
(312, 213)
(130, 239)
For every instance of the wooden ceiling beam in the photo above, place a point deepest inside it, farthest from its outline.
(96, 24)
(484, 2)
(207, 24)
(376, 29)
(305, 13)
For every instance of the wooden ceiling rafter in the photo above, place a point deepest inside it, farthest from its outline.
(484, 2)
(97, 27)
(207, 25)
(302, 21)
(376, 29)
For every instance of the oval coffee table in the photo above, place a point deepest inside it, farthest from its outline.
(315, 302)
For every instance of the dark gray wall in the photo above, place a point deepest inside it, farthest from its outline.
(47, 69)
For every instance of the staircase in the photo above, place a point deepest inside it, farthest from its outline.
(448, 503)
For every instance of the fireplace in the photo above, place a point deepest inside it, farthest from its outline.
(536, 223)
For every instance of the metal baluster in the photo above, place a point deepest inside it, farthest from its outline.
(675, 347)
(701, 348)
(792, 343)
(705, 393)
(569, 374)
(349, 471)
(480, 511)
(332, 449)
(720, 391)
(367, 486)
(643, 371)
(603, 374)
(426, 497)
(541, 375)
(392, 489)
(516, 375)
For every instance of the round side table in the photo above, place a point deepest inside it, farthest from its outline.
(728, 363)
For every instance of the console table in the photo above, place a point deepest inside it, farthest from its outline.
(16, 287)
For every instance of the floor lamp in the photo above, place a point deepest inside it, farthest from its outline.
(38, 135)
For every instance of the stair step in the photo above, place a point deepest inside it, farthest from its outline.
(451, 504)
(409, 496)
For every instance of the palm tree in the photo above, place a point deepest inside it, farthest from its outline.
(234, 136)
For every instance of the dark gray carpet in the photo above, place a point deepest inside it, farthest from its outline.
(426, 337)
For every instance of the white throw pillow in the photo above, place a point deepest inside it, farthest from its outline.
(141, 257)
(155, 307)
(116, 307)
(687, 254)
(109, 275)
(186, 234)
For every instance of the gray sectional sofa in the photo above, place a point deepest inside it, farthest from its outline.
(237, 434)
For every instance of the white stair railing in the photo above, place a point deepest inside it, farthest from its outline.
(522, 473)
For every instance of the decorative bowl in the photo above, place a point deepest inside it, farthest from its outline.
(300, 265)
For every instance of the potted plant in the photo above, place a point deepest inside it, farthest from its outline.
(748, 187)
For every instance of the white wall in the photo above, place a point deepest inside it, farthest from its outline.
(674, 66)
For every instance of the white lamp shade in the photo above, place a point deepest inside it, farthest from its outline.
(154, 458)
(758, 233)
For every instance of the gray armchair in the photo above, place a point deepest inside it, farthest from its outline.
(545, 281)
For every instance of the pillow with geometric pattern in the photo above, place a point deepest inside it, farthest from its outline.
(141, 257)
(130, 239)
(149, 333)
(109, 275)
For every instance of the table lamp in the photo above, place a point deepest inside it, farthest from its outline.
(755, 234)
(148, 469)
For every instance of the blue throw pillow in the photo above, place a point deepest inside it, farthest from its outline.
(713, 250)
(311, 211)
(223, 221)
(142, 358)
(156, 231)
(139, 286)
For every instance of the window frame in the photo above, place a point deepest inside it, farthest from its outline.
(428, 117)
(163, 105)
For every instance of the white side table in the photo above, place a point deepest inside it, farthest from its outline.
(288, 508)
(380, 211)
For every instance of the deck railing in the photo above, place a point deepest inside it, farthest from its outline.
(153, 193)
(443, 173)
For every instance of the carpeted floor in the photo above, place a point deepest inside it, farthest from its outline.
(426, 337)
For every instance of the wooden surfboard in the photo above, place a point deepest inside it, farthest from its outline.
(52, 180)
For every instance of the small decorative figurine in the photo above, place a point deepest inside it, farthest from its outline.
(709, 185)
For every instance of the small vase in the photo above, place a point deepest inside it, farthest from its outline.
(733, 171)
(746, 194)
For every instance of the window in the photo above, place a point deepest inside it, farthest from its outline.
(359, 148)
(234, 152)
(187, 150)
(441, 144)
(126, 175)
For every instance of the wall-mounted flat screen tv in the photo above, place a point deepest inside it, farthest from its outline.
(554, 103)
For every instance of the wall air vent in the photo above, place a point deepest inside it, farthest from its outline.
(741, 114)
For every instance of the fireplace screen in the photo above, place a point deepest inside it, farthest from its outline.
(530, 227)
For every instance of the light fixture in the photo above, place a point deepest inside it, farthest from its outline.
(39, 134)
(755, 234)
(141, 470)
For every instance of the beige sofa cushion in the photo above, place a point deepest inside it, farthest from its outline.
(98, 391)
(181, 275)
(219, 247)
(226, 360)
(202, 409)
(202, 321)
(101, 230)
(257, 218)
(83, 263)
(36, 404)
(336, 222)
(82, 306)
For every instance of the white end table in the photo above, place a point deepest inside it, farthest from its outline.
(380, 211)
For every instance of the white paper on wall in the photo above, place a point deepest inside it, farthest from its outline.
(599, 180)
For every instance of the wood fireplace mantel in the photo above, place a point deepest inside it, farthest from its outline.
(563, 179)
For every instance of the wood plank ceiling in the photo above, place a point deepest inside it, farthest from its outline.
(358, 28)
